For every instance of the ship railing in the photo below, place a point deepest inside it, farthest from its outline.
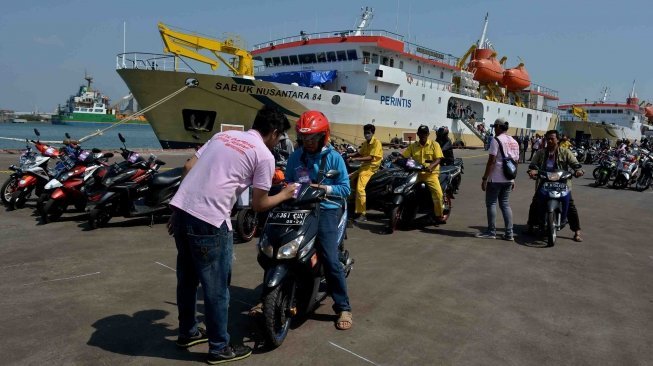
(430, 83)
(331, 34)
(151, 61)
(430, 54)
(542, 90)
(341, 66)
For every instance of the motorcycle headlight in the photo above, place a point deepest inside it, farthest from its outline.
(265, 247)
(410, 181)
(553, 176)
(289, 250)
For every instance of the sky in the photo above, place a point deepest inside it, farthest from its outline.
(574, 47)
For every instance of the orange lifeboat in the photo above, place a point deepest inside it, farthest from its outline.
(516, 78)
(648, 112)
(485, 66)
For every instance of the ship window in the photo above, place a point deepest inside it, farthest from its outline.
(307, 58)
(375, 58)
(384, 61)
(628, 113)
(276, 61)
(352, 55)
(198, 120)
(376, 88)
(401, 64)
(621, 111)
(98, 110)
(366, 57)
(294, 60)
(342, 56)
(499, 110)
(487, 108)
(615, 111)
(441, 74)
(268, 62)
(439, 100)
(423, 97)
(258, 58)
(508, 111)
(392, 62)
(321, 57)
(419, 69)
(285, 60)
(331, 56)
(401, 94)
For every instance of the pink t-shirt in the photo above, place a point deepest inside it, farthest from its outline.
(226, 165)
(510, 148)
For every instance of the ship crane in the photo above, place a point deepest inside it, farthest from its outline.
(188, 45)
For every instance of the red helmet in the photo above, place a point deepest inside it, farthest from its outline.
(313, 122)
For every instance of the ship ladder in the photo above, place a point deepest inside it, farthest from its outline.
(472, 128)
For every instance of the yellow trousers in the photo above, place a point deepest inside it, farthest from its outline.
(361, 178)
(432, 181)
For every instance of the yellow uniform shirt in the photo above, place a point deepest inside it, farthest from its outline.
(373, 149)
(565, 144)
(430, 151)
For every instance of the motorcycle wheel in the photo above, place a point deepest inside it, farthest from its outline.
(276, 311)
(550, 229)
(98, 217)
(18, 199)
(643, 183)
(8, 188)
(80, 205)
(52, 211)
(246, 223)
(619, 182)
(395, 219)
(595, 173)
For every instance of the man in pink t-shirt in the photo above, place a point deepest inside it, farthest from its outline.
(225, 166)
(495, 184)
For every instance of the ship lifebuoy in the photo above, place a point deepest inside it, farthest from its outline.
(409, 79)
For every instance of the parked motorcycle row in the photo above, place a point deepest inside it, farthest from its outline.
(85, 180)
(630, 169)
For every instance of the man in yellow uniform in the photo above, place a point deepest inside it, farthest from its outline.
(422, 151)
(370, 155)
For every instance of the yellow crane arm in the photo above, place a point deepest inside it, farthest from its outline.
(462, 60)
(187, 45)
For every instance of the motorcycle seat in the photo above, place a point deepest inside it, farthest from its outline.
(448, 169)
(167, 178)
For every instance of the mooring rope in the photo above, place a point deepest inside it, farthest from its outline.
(134, 115)
(122, 121)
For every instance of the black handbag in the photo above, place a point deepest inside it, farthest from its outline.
(509, 164)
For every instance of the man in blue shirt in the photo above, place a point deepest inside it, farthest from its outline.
(313, 158)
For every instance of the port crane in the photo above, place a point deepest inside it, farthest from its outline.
(188, 45)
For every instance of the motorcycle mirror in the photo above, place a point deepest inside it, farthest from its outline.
(36, 132)
(332, 174)
(107, 155)
(159, 162)
(122, 139)
(95, 150)
(67, 135)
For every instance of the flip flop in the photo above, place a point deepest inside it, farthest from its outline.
(256, 311)
(577, 238)
(344, 321)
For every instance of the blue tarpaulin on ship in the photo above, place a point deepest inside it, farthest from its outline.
(302, 78)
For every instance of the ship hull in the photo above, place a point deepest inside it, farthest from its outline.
(232, 102)
(596, 130)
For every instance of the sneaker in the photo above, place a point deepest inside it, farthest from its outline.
(486, 235)
(198, 338)
(229, 353)
(361, 218)
(508, 237)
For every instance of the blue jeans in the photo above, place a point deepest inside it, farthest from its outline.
(498, 192)
(204, 255)
(327, 236)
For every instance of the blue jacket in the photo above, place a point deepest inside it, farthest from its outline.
(338, 187)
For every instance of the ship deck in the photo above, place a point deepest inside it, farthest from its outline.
(431, 296)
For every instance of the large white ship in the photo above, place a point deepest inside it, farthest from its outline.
(607, 119)
(354, 77)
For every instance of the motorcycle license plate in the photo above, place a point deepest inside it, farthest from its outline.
(555, 185)
(287, 217)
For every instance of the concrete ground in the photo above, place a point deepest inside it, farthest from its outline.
(436, 296)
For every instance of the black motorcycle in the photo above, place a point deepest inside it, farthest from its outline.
(645, 178)
(606, 169)
(294, 282)
(395, 191)
(552, 197)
